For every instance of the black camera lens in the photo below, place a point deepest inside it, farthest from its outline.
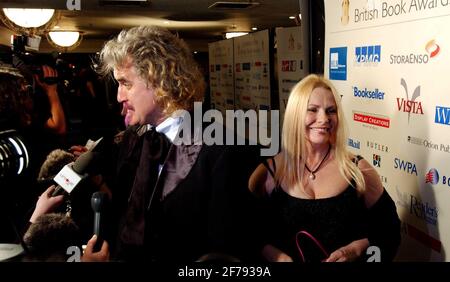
(37, 70)
(50, 80)
(13, 154)
(47, 80)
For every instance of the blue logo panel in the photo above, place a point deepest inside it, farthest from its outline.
(368, 54)
(442, 115)
(338, 63)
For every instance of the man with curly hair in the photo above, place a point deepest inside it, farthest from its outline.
(175, 202)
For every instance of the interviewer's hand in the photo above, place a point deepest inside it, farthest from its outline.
(77, 150)
(91, 256)
(46, 203)
(350, 252)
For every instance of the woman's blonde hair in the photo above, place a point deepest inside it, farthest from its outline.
(160, 58)
(290, 168)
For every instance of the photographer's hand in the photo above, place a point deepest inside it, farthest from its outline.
(57, 121)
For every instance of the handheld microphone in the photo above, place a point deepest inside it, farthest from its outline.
(71, 174)
(98, 204)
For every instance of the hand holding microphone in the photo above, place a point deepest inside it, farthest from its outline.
(46, 203)
(90, 255)
(97, 249)
(98, 203)
(71, 175)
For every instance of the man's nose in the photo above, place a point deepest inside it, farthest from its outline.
(121, 95)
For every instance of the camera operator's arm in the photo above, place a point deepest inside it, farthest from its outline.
(57, 121)
(90, 88)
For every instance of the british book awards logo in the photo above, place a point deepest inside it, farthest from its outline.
(345, 17)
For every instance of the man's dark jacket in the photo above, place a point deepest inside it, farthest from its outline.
(199, 205)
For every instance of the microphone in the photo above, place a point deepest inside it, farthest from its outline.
(71, 174)
(98, 204)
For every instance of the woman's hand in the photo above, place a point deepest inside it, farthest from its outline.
(46, 203)
(273, 254)
(350, 252)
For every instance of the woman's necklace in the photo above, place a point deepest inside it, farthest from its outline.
(312, 176)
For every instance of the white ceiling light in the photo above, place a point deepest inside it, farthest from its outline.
(29, 22)
(29, 17)
(65, 39)
(229, 35)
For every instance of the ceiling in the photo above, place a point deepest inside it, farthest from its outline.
(191, 19)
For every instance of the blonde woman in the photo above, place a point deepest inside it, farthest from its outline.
(316, 185)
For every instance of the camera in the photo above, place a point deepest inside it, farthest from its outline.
(13, 154)
(29, 63)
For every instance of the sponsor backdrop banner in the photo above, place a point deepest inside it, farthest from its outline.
(292, 66)
(389, 60)
(239, 72)
(247, 85)
(221, 75)
(252, 71)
